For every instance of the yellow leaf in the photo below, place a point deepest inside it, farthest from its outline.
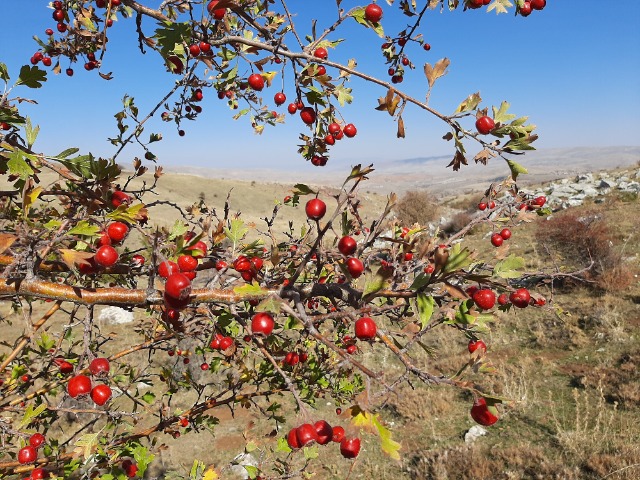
(29, 198)
(6, 240)
(210, 474)
(73, 258)
(437, 71)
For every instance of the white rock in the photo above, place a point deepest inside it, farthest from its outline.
(474, 433)
(115, 315)
(240, 461)
(585, 177)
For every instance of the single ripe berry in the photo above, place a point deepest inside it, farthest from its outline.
(106, 256)
(100, 394)
(475, 345)
(484, 125)
(321, 53)
(373, 13)
(279, 98)
(117, 231)
(78, 386)
(350, 447)
(365, 328)
(520, 298)
(99, 366)
(308, 115)
(315, 209)
(482, 206)
(262, 324)
(347, 245)
(505, 233)
(256, 81)
(497, 240)
(485, 299)
(484, 414)
(177, 286)
(27, 454)
(36, 440)
(355, 267)
(167, 268)
(350, 130)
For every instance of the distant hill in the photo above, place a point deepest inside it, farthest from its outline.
(431, 173)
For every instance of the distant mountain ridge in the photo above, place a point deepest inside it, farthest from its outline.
(431, 173)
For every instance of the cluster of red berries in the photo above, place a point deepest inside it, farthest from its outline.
(216, 13)
(528, 6)
(80, 385)
(248, 267)
(322, 433)
(497, 239)
(29, 454)
(485, 298)
(484, 205)
(293, 358)
(221, 342)
(533, 204)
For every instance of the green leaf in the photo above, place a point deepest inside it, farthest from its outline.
(302, 189)
(66, 153)
(501, 115)
(17, 165)
(127, 213)
(343, 94)
(252, 471)
(375, 282)
(310, 452)
(4, 72)
(31, 77)
(508, 267)
(178, 229)
(84, 228)
(236, 231)
(250, 289)
(516, 169)
(425, 304)
(31, 413)
(458, 258)
(86, 443)
(149, 397)
(420, 281)
(388, 445)
(283, 446)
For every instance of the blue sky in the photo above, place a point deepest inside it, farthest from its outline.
(573, 68)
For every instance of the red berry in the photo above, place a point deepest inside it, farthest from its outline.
(36, 440)
(324, 431)
(117, 231)
(520, 298)
(27, 455)
(46, 61)
(187, 263)
(373, 13)
(482, 206)
(355, 267)
(99, 366)
(334, 128)
(503, 299)
(177, 286)
(262, 324)
(321, 53)
(485, 299)
(308, 115)
(106, 256)
(48, 31)
(351, 349)
(101, 394)
(256, 81)
(525, 9)
(350, 130)
(137, 261)
(204, 367)
(279, 98)
(496, 240)
(538, 4)
(217, 13)
(199, 245)
(338, 433)
(292, 439)
(58, 15)
(257, 262)
(37, 474)
(427, 47)
(475, 345)
(484, 125)
(117, 197)
(540, 201)
(350, 447)
(505, 233)
(63, 365)
(168, 268)
(291, 108)
(347, 245)
(79, 385)
(483, 414)
(306, 434)
(205, 47)
(194, 50)
(315, 209)
(365, 328)
(221, 265)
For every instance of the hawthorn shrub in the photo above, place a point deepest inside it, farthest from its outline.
(586, 240)
(228, 316)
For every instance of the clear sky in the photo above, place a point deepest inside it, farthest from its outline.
(574, 68)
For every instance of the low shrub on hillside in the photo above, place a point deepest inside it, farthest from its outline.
(416, 207)
(582, 238)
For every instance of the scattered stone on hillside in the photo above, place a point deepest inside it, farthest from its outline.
(115, 315)
(474, 433)
(240, 461)
(585, 177)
